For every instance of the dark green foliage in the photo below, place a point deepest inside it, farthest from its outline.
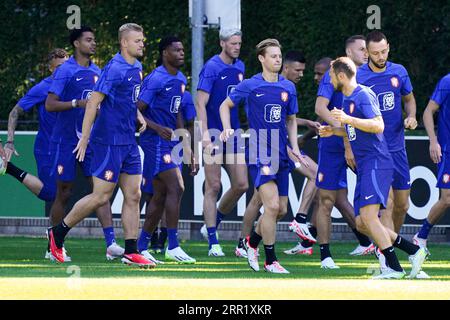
(418, 32)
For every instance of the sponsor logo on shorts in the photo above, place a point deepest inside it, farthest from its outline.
(320, 177)
(394, 81)
(60, 169)
(167, 158)
(109, 175)
(368, 197)
(446, 178)
(284, 96)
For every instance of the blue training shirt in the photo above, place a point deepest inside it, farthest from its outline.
(72, 81)
(389, 87)
(36, 96)
(162, 92)
(269, 103)
(441, 96)
(120, 82)
(326, 90)
(188, 107)
(219, 80)
(370, 149)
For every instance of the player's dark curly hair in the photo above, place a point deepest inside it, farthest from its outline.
(163, 44)
(75, 34)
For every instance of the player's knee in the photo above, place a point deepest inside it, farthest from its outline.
(282, 212)
(133, 197)
(272, 208)
(64, 192)
(240, 187)
(213, 188)
(360, 226)
(101, 199)
(402, 207)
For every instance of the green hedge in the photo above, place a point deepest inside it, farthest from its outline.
(418, 32)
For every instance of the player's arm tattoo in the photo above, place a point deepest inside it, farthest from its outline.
(12, 121)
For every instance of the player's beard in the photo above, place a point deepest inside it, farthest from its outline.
(379, 66)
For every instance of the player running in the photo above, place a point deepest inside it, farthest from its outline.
(43, 186)
(364, 127)
(439, 154)
(160, 101)
(218, 78)
(115, 157)
(272, 106)
(333, 162)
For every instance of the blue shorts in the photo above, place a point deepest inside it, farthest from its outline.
(65, 162)
(157, 159)
(372, 187)
(109, 161)
(44, 163)
(402, 179)
(331, 171)
(260, 176)
(443, 178)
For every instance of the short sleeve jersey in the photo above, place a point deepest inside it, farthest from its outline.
(120, 82)
(389, 87)
(219, 80)
(72, 81)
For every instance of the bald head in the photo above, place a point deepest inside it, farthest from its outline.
(320, 68)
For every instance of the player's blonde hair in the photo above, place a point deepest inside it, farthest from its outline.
(263, 45)
(127, 27)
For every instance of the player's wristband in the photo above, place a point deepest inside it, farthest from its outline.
(74, 103)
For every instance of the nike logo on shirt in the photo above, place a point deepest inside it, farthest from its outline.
(167, 89)
(224, 77)
(78, 79)
(259, 95)
(129, 79)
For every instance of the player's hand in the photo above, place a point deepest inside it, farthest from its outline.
(165, 133)
(10, 150)
(141, 123)
(313, 125)
(435, 151)
(81, 103)
(226, 134)
(325, 131)
(194, 166)
(2, 153)
(298, 157)
(350, 158)
(410, 123)
(339, 115)
(80, 149)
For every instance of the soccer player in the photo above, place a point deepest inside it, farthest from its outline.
(439, 154)
(159, 237)
(392, 85)
(364, 127)
(333, 161)
(160, 101)
(71, 87)
(217, 79)
(3, 159)
(115, 154)
(294, 64)
(272, 106)
(43, 186)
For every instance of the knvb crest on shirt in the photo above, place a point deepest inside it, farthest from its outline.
(175, 104)
(240, 77)
(352, 107)
(386, 100)
(272, 113)
(136, 90)
(284, 96)
(394, 82)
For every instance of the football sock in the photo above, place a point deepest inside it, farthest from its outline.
(131, 246)
(162, 237)
(424, 230)
(144, 240)
(362, 238)
(59, 233)
(270, 253)
(391, 259)
(17, 173)
(219, 218)
(300, 217)
(255, 239)
(404, 245)
(172, 235)
(324, 251)
(109, 236)
(212, 237)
